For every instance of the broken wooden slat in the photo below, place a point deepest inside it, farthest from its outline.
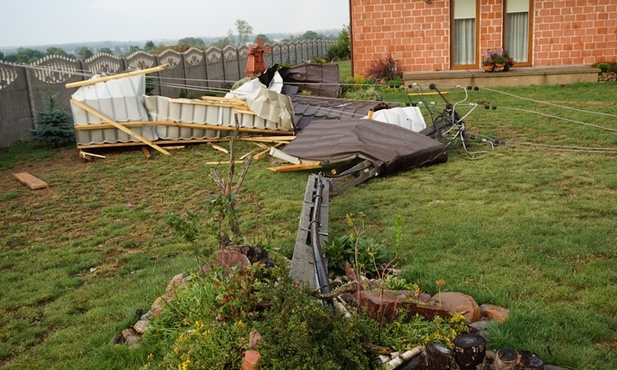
(118, 126)
(146, 152)
(276, 153)
(219, 148)
(268, 139)
(93, 81)
(223, 162)
(83, 154)
(261, 154)
(296, 167)
(30, 181)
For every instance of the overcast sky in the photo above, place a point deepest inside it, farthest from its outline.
(43, 22)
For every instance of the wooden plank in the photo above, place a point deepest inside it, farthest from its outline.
(261, 154)
(100, 126)
(160, 142)
(31, 181)
(118, 126)
(93, 81)
(219, 148)
(267, 139)
(297, 167)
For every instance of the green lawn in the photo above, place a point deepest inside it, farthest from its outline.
(524, 226)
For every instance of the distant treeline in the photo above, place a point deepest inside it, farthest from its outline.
(72, 51)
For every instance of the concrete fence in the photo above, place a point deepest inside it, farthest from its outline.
(22, 86)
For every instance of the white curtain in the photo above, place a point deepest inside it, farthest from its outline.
(517, 35)
(464, 41)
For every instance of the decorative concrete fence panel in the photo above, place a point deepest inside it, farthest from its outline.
(172, 80)
(15, 112)
(21, 86)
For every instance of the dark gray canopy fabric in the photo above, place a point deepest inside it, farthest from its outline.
(391, 148)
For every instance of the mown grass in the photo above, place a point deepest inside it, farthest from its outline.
(523, 227)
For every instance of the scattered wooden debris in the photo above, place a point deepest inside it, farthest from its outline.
(88, 156)
(219, 148)
(146, 152)
(296, 167)
(31, 181)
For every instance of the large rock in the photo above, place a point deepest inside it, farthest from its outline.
(386, 304)
(227, 258)
(499, 314)
(458, 302)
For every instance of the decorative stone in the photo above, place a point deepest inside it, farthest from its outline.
(530, 361)
(506, 359)
(251, 360)
(254, 339)
(460, 303)
(176, 282)
(141, 326)
(130, 337)
(499, 314)
(385, 304)
(227, 259)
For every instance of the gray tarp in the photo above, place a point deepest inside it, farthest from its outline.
(391, 148)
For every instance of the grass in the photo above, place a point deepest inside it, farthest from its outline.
(523, 227)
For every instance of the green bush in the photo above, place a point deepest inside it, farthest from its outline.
(370, 254)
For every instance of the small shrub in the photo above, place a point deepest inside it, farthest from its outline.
(604, 67)
(54, 125)
(370, 254)
(383, 69)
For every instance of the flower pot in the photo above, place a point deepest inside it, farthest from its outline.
(488, 68)
(500, 65)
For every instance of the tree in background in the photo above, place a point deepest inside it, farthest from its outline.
(149, 45)
(227, 40)
(192, 41)
(1, 55)
(54, 125)
(106, 50)
(24, 56)
(312, 35)
(84, 53)
(54, 50)
(244, 31)
(264, 37)
(342, 48)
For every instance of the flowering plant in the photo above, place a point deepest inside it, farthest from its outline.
(497, 57)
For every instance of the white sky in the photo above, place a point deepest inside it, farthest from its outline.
(44, 22)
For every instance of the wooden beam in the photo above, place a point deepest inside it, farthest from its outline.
(296, 167)
(101, 126)
(93, 81)
(267, 139)
(118, 126)
(160, 142)
(30, 181)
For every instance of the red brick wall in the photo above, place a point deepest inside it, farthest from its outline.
(417, 33)
(575, 32)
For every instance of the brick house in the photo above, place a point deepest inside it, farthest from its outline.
(444, 35)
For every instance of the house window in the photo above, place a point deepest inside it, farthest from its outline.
(464, 32)
(517, 27)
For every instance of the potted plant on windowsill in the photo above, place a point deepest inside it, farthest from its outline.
(488, 65)
(497, 58)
